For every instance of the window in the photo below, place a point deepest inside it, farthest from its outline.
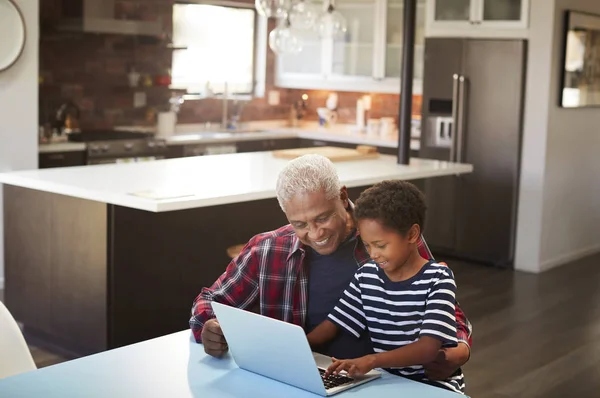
(219, 48)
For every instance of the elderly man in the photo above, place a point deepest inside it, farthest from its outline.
(298, 272)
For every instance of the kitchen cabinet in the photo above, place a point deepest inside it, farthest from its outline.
(267, 145)
(477, 18)
(367, 58)
(61, 159)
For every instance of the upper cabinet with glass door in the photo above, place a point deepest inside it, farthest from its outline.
(368, 57)
(394, 40)
(477, 18)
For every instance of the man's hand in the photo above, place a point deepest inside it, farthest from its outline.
(354, 367)
(447, 361)
(213, 339)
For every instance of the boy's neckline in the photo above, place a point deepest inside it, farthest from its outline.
(410, 278)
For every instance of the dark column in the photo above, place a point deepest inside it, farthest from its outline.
(408, 58)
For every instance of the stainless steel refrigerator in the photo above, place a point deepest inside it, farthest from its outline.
(472, 112)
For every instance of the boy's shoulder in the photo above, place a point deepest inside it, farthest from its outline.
(370, 267)
(438, 270)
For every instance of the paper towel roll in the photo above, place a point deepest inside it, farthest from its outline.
(166, 124)
(360, 114)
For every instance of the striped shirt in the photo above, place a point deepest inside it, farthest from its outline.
(399, 313)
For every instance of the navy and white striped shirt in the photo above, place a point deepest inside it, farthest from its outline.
(398, 313)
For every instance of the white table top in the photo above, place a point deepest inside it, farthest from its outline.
(192, 182)
(175, 366)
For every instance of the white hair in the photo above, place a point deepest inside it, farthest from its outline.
(307, 174)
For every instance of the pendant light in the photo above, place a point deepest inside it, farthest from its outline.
(331, 24)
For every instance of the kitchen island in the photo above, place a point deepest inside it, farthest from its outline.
(98, 257)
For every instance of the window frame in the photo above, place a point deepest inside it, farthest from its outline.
(259, 64)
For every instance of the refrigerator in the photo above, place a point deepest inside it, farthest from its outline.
(473, 91)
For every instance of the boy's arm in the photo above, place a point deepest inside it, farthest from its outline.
(464, 329)
(348, 314)
(322, 334)
(438, 328)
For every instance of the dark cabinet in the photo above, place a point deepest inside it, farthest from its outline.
(61, 159)
(267, 145)
(175, 151)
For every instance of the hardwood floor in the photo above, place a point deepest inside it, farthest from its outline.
(534, 335)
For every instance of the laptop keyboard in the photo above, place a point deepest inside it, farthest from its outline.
(334, 380)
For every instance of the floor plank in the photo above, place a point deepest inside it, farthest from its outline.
(534, 335)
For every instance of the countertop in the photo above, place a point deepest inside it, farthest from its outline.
(339, 133)
(185, 183)
(61, 147)
(194, 134)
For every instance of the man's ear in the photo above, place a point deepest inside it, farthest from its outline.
(414, 233)
(344, 196)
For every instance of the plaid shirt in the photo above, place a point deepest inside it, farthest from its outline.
(270, 271)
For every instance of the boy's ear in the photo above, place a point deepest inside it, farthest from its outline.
(414, 233)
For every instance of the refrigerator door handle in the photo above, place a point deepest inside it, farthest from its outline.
(460, 125)
(455, 111)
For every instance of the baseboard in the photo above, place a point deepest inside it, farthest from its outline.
(569, 257)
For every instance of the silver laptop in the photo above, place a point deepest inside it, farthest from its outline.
(267, 346)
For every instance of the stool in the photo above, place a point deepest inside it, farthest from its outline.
(234, 251)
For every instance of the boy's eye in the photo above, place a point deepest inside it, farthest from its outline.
(299, 225)
(381, 246)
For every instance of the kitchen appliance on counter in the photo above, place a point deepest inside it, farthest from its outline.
(110, 146)
(472, 113)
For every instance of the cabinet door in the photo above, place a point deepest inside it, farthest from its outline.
(452, 10)
(354, 54)
(394, 37)
(308, 63)
(504, 13)
(61, 159)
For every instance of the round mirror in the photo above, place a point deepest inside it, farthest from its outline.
(12, 32)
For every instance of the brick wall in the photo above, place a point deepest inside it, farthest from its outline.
(91, 70)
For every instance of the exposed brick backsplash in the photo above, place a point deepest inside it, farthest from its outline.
(91, 70)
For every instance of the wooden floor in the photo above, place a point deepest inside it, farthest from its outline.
(535, 335)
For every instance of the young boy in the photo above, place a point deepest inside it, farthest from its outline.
(405, 301)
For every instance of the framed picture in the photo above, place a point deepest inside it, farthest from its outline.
(580, 80)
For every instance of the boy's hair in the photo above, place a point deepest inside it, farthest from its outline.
(396, 204)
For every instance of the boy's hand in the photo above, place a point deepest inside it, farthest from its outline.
(354, 367)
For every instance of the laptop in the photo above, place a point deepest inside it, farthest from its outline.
(280, 351)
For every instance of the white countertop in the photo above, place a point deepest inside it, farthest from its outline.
(339, 133)
(190, 134)
(61, 147)
(192, 182)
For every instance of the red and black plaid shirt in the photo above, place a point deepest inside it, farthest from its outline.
(270, 272)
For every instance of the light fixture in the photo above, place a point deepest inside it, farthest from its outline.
(283, 39)
(272, 8)
(304, 15)
(332, 24)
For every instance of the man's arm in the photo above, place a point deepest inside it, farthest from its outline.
(237, 287)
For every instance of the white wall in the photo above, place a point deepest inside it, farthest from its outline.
(19, 108)
(559, 203)
(535, 130)
(571, 217)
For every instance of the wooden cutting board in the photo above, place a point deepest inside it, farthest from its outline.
(334, 154)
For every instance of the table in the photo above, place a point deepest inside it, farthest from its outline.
(175, 366)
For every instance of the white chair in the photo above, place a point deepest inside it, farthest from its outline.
(15, 357)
